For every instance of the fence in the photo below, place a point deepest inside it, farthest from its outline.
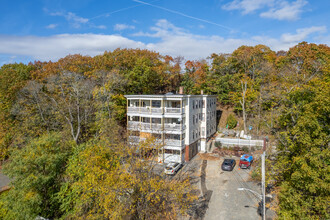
(240, 142)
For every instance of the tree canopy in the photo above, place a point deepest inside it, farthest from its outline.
(63, 123)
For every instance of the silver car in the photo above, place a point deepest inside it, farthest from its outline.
(172, 167)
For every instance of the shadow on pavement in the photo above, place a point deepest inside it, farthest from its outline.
(198, 209)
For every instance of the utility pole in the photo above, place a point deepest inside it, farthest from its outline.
(263, 181)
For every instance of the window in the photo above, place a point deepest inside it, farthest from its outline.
(200, 103)
(156, 120)
(196, 118)
(203, 116)
(144, 104)
(155, 135)
(203, 103)
(193, 119)
(196, 103)
(203, 131)
(193, 104)
(134, 118)
(146, 120)
(172, 136)
(193, 135)
(200, 116)
(175, 152)
(156, 103)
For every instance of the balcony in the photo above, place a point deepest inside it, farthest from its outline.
(169, 110)
(171, 142)
(156, 111)
(156, 127)
(145, 126)
(133, 125)
(133, 109)
(171, 127)
(152, 126)
(145, 110)
(135, 139)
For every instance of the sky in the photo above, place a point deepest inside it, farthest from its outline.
(52, 29)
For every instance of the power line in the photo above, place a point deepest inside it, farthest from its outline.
(119, 10)
(184, 15)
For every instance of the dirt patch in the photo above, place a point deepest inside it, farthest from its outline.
(209, 156)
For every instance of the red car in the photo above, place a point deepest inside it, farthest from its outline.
(245, 161)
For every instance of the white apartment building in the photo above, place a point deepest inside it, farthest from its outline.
(182, 124)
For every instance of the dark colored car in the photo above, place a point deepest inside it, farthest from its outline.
(228, 164)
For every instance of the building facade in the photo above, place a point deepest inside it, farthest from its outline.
(181, 124)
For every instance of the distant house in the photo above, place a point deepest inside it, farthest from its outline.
(181, 123)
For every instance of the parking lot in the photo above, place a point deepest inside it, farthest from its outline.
(218, 194)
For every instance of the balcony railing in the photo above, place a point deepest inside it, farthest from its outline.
(135, 139)
(145, 109)
(145, 126)
(156, 110)
(136, 125)
(172, 142)
(133, 125)
(156, 126)
(174, 110)
(133, 109)
(172, 126)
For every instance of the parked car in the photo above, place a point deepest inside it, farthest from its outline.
(172, 167)
(245, 161)
(228, 164)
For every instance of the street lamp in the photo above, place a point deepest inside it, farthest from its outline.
(254, 192)
(261, 197)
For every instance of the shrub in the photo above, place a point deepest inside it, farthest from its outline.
(245, 149)
(217, 144)
(231, 121)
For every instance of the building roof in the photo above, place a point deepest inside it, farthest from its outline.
(167, 96)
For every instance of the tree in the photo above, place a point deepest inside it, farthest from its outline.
(13, 77)
(58, 103)
(194, 79)
(221, 78)
(303, 164)
(112, 182)
(36, 173)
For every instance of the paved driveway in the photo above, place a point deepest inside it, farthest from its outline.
(226, 201)
(219, 198)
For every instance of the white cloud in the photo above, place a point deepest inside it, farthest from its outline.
(51, 26)
(247, 6)
(72, 18)
(275, 9)
(99, 26)
(120, 27)
(169, 40)
(302, 34)
(286, 11)
(58, 46)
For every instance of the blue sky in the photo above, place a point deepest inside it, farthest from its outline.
(51, 29)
